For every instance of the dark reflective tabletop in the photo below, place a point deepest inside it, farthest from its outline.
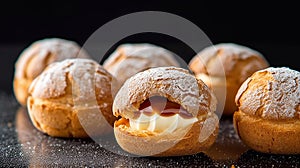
(21, 145)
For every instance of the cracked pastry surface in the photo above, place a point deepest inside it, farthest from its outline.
(68, 98)
(35, 58)
(128, 59)
(224, 67)
(165, 111)
(268, 119)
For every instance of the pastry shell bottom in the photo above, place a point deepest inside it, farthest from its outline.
(268, 136)
(62, 120)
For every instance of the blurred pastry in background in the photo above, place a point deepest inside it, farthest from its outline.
(35, 58)
(228, 145)
(224, 67)
(128, 59)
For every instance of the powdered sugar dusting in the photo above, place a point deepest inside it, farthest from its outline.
(225, 57)
(63, 49)
(276, 96)
(129, 59)
(176, 84)
(284, 93)
(82, 73)
(228, 50)
(235, 49)
(51, 83)
(39, 54)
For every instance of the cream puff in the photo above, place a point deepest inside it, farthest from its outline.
(224, 67)
(128, 59)
(268, 116)
(35, 58)
(72, 98)
(165, 111)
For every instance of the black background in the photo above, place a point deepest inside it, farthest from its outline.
(272, 29)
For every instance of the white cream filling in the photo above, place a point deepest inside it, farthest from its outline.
(157, 123)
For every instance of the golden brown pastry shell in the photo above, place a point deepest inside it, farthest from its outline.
(268, 136)
(68, 106)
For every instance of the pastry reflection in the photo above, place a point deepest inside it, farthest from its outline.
(27, 136)
(46, 151)
(33, 142)
(43, 150)
(228, 146)
(197, 160)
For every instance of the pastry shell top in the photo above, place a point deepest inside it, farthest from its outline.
(176, 84)
(128, 59)
(271, 93)
(236, 61)
(75, 80)
(35, 58)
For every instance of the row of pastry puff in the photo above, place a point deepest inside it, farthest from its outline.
(162, 111)
(68, 96)
(266, 110)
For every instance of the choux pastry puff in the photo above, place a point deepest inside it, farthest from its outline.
(165, 111)
(268, 115)
(35, 58)
(224, 67)
(72, 98)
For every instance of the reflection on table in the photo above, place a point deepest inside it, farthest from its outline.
(228, 145)
(42, 150)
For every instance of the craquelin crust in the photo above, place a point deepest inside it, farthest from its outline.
(271, 93)
(69, 93)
